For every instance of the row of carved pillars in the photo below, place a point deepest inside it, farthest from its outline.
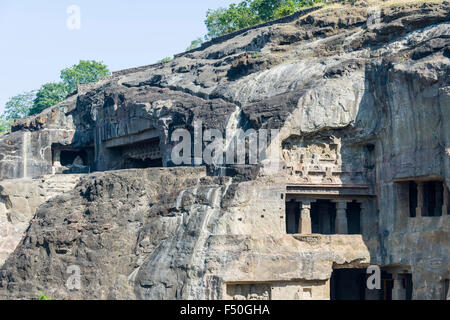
(442, 192)
(305, 225)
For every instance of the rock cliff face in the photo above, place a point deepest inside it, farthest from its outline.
(19, 201)
(360, 100)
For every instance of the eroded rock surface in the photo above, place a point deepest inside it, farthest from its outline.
(360, 96)
(19, 200)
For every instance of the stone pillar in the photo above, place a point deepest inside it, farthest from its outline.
(365, 218)
(304, 226)
(398, 290)
(420, 210)
(341, 217)
(57, 158)
(446, 201)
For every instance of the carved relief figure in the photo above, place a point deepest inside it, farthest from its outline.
(306, 158)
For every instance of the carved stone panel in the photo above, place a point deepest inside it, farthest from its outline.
(287, 290)
(324, 160)
(142, 151)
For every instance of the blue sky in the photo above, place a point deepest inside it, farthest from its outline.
(35, 42)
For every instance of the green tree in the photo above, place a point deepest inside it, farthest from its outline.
(18, 106)
(222, 21)
(5, 125)
(249, 13)
(287, 8)
(164, 60)
(49, 95)
(82, 73)
(195, 44)
(265, 9)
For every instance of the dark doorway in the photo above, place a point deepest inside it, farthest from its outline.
(387, 284)
(408, 285)
(323, 217)
(142, 155)
(348, 284)
(412, 199)
(292, 217)
(433, 198)
(68, 157)
(369, 156)
(354, 218)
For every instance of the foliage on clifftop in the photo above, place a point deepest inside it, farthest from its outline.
(249, 13)
(50, 94)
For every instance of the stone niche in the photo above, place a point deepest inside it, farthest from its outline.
(141, 155)
(422, 197)
(327, 160)
(67, 159)
(292, 290)
(138, 151)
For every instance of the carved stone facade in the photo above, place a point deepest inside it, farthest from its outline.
(293, 290)
(143, 151)
(313, 161)
(362, 117)
(328, 160)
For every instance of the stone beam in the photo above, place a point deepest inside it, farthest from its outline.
(132, 139)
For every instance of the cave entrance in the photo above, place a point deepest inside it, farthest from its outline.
(433, 196)
(66, 156)
(348, 284)
(407, 282)
(387, 284)
(292, 217)
(323, 217)
(412, 199)
(424, 198)
(141, 155)
(396, 286)
(354, 217)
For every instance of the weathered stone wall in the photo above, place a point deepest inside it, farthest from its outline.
(19, 200)
(133, 239)
(300, 290)
(359, 108)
